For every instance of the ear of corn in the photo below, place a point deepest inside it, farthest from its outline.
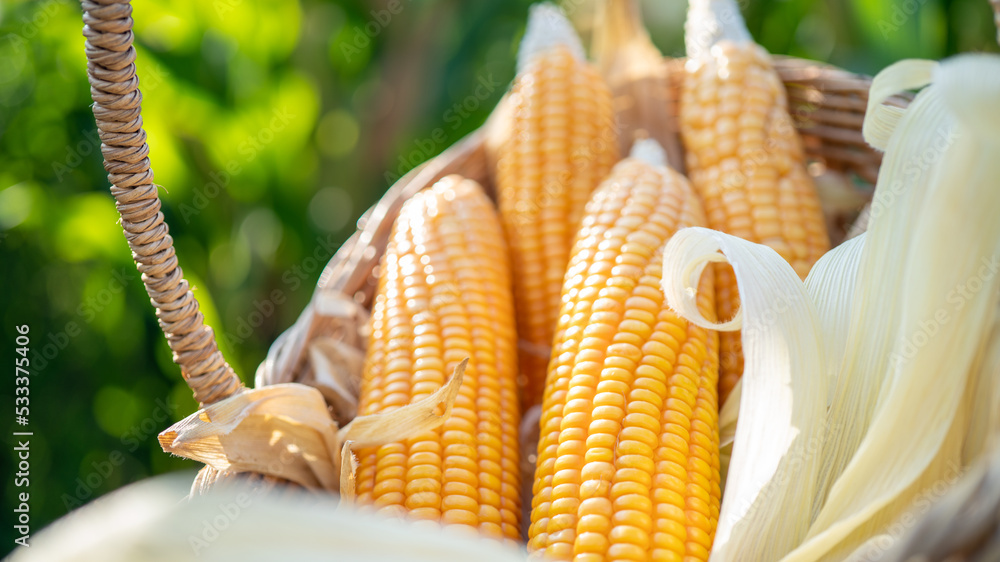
(638, 77)
(744, 157)
(893, 326)
(444, 295)
(561, 145)
(628, 464)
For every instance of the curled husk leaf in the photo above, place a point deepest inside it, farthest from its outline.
(873, 383)
(286, 431)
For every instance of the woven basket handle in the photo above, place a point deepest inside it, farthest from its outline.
(117, 109)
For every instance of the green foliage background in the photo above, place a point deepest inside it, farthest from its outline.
(272, 127)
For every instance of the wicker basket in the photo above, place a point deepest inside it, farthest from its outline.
(828, 106)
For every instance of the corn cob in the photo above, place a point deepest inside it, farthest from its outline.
(743, 155)
(562, 144)
(444, 295)
(628, 463)
(639, 78)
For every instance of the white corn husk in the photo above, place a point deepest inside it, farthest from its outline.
(547, 28)
(876, 379)
(144, 522)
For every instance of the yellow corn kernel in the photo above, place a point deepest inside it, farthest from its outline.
(562, 143)
(628, 460)
(745, 160)
(444, 295)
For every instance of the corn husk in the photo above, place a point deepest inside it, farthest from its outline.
(144, 522)
(639, 79)
(547, 28)
(286, 431)
(876, 379)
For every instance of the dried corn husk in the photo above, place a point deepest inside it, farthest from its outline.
(639, 78)
(874, 380)
(286, 431)
(330, 334)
